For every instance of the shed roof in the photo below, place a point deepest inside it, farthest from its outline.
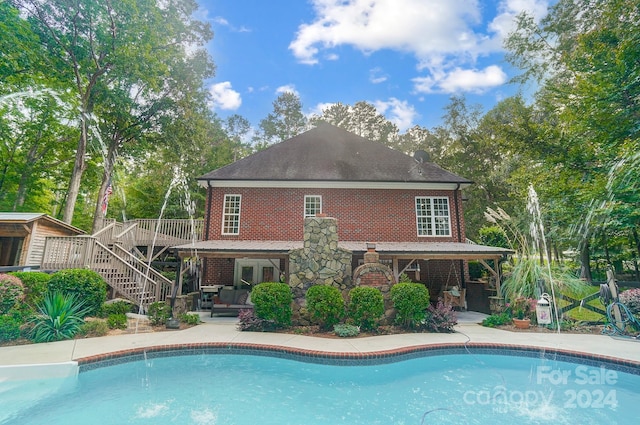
(331, 154)
(26, 218)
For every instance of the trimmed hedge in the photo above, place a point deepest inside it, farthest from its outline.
(272, 301)
(411, 301)
(366, 307)
(87, 285)
(325, 305)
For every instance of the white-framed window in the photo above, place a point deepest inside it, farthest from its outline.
(432, 216)
(312, 205)
(231, 215)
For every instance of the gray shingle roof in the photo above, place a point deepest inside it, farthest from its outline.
(329, 153)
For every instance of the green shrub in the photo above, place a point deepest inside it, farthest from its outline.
(60, 317)
(190, 318)
(35, 286)
(411, 301)
(87, 285)
(325, 305)
(9, 328)
(117, 307)
(117, 321)
(94, 328)
(11, 292)
(159, 312)
(272, 301)
(366, 307)
(346, 331)
(496, 320)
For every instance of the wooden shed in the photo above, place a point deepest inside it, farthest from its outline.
(22, 237)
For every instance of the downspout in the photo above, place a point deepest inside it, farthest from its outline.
(206, 228)
(456, 203)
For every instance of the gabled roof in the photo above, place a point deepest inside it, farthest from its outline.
(26, 218)
(331, 154)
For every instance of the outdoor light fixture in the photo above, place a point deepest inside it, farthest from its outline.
(543, 310)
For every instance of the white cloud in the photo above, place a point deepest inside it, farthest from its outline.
(224, 97)
(462, 80)
(319, 109)
(444, 36)
(399, 112)
(287, 88)
(376, 76)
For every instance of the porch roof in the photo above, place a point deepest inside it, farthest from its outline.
(409, 250)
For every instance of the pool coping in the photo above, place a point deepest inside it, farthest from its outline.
(356, 358)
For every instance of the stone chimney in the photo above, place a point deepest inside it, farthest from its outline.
(320, 261)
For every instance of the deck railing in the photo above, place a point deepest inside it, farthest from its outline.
(148, 232)
(128, 276)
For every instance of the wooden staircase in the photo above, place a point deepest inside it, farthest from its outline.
(114, 253)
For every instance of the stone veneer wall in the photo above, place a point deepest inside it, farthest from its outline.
(321, 261)
(376, 275)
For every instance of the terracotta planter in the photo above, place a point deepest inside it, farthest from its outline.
(521, 323)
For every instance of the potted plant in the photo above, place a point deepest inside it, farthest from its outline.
(521, 311)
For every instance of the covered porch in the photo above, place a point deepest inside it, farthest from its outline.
(439, 265)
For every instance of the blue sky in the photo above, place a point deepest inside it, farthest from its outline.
(407, 57)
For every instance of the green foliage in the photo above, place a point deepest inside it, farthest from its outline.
(11, 292)
(190, 319)
(346, 330)
(475, 270)
(493, 236)
(325, 305)
(496, 320)
(117, 307)
(366, 307)
(272, 301)
(159, 312)
(60, 317)
(87, 285)
(35, 286)
(411, 301)
(117, 321)
(94, 328)
(440, 318)
(9, 328)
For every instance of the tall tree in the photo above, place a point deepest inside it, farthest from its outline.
(104, 48)
(585, 55)
(285, 121)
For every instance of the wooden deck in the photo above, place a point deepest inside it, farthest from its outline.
(111, 252)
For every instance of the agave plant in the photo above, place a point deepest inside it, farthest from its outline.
(60, 317)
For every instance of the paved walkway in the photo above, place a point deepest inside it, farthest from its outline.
(223, 330)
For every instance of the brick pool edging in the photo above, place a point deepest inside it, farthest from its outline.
(355, 358)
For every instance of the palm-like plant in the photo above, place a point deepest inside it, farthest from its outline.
(60, 317)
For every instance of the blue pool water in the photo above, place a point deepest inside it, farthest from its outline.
(241, 389)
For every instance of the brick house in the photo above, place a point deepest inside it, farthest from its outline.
(405, 210)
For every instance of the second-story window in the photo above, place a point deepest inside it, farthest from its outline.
(231, 215)
(432, 216)
(312, 205)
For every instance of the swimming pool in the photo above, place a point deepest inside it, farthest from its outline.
(472, 388)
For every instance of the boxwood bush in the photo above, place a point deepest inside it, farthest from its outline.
(411, 301)
(325, 305)
(366, 307)
(87, 285)
(272, 301)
